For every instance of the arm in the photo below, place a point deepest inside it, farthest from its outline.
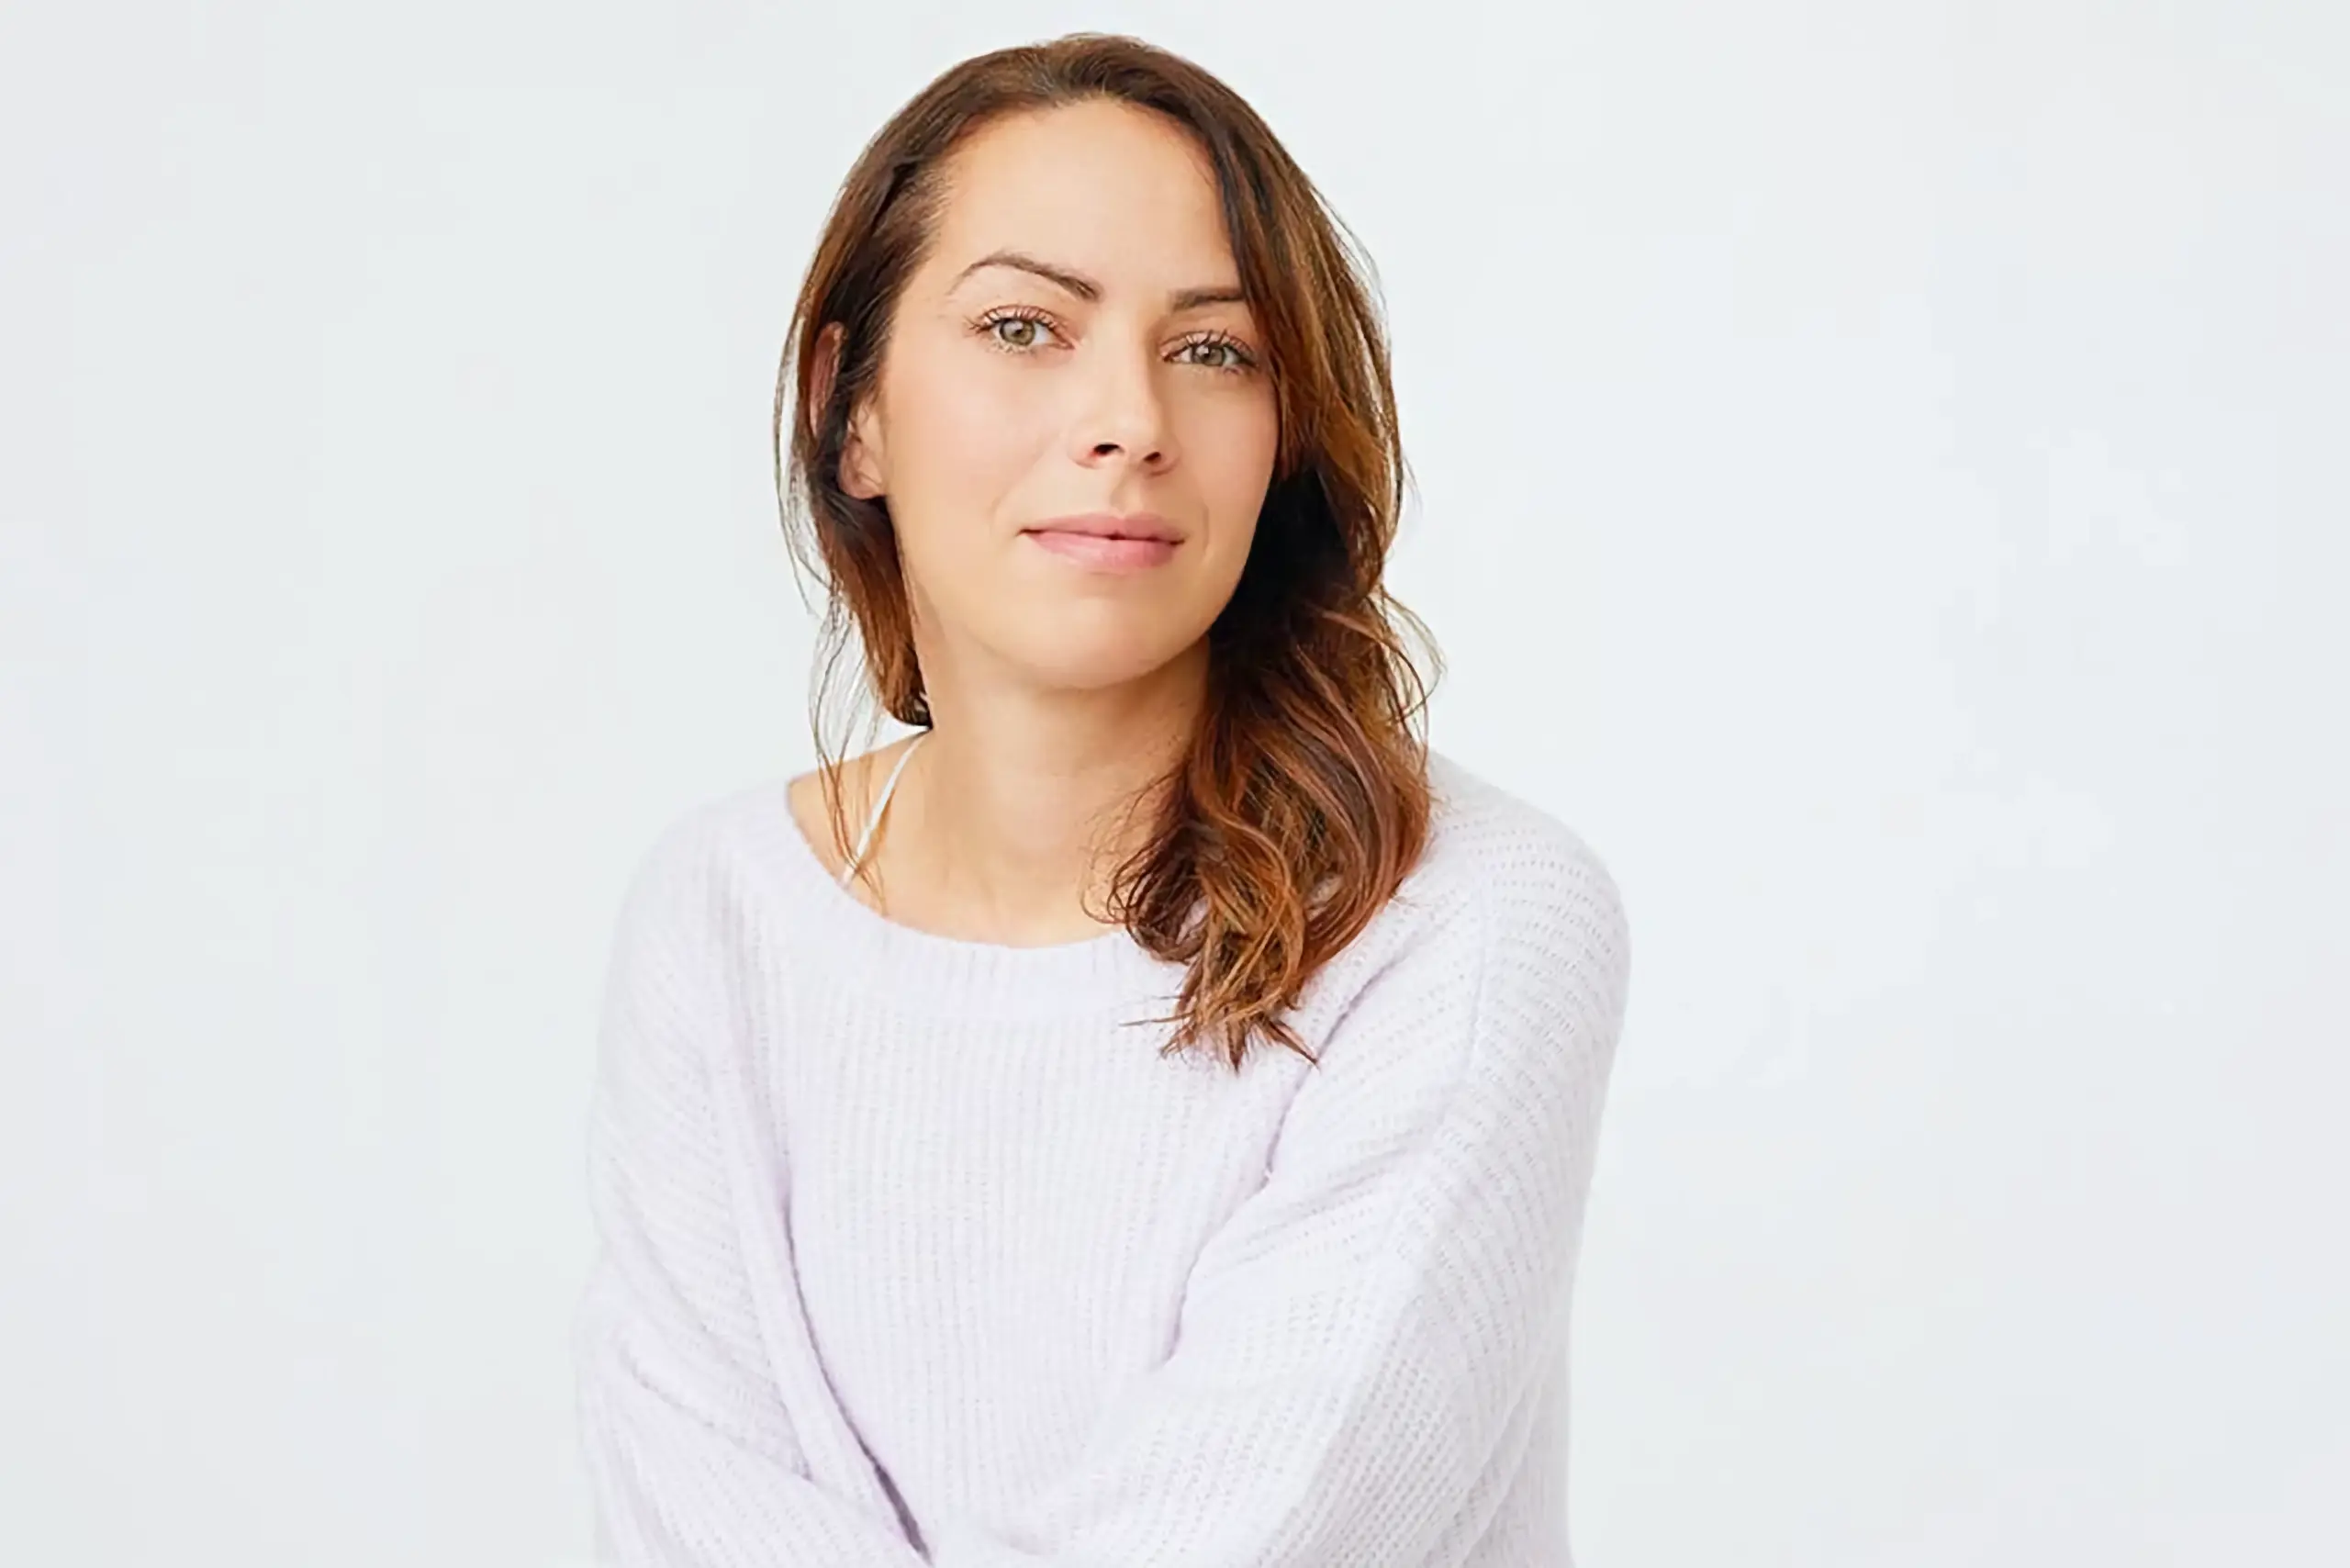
(1359, 1343)
(1362, 1342)
(690, 1351)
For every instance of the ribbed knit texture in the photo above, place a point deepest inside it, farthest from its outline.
(916, 1249)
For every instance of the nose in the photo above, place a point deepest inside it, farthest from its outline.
(1125, 412)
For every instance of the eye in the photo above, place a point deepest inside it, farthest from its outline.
(1238, 361)
(1030, 326)
(1027, 327)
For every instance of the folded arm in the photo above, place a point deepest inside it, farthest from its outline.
(687, 1404)
(1363, 1344)
(1360, 1348)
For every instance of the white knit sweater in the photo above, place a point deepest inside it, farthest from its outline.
(915, 1250)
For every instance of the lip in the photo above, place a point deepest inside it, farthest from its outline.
(1107, 541)
(1110, 524)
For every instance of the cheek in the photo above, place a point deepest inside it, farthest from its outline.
(960, 452)
(964, 437)
(1233, 455)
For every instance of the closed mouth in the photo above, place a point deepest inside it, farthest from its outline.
(1146, 530)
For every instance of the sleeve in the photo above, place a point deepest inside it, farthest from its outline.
(710, 1437)
(1363, 1344)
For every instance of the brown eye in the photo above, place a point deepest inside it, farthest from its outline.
(1028, 331)
(1025, 326)
(1238, 361)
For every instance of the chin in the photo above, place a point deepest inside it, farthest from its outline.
(1081, 663)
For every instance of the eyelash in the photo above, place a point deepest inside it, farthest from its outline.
(986, 325)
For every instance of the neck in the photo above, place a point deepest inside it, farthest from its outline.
(1020, 806)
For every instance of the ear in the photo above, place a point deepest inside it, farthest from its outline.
(860, 471)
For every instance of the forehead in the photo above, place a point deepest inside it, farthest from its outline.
(1118, 192)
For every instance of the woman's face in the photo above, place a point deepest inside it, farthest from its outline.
(1070, 345)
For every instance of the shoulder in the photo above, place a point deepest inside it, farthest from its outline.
(1510, 921)
(1492, 984)
(763, 826)
(692, 876)
(1528, 877)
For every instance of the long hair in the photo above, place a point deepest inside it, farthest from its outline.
(1302, 799)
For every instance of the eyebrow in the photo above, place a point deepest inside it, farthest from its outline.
(1085, 289)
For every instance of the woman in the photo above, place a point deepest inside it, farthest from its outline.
(1143, 1117)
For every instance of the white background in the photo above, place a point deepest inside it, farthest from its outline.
(1880, 477)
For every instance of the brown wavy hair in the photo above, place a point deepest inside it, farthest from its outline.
(1302, 799)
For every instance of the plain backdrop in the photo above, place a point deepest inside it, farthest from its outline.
(1879, 476)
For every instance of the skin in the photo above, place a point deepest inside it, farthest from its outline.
(1056, 691)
